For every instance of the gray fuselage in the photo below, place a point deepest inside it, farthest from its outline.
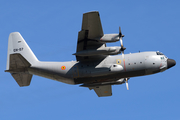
(112, 68)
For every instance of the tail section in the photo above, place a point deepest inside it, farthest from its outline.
(16, 44)
(19, 58)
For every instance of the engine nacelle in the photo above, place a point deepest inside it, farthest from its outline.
(108, 38)
(116, 68)
(100, 51)
(106, 70)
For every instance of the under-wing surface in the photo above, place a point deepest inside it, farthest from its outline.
(97, 66)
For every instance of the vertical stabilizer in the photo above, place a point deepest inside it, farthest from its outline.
(19, 58)
(16, 44)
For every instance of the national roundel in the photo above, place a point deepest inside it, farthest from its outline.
(63, 67)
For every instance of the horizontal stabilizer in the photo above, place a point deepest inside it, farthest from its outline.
(18, 68)
(23, 79)
(17, 62)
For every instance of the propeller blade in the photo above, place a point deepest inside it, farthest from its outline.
(123, 54)
(120, 34)
(121, 42)
(120, 31)
(127, 86)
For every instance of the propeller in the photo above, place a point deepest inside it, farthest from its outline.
(127, 86)
(121, 42)
(122, 50)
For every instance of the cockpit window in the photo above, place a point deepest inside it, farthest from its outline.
(159, 53)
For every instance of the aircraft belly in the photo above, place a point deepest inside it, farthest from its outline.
(111, 77)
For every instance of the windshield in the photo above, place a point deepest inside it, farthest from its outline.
(159, 53)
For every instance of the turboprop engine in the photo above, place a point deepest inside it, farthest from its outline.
(100, 51)
(108, 38)
(106, 70)
(116, 68)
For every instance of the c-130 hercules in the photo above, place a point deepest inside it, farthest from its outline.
(97, 66)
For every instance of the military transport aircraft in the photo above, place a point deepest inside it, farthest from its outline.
(96, 67)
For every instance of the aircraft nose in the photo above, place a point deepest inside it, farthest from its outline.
(170, 63)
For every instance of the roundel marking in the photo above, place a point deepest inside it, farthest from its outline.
(63, 67)
(118, 61)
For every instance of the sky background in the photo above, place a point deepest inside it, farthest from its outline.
(50, 27)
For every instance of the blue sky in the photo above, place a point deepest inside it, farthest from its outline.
(51, 27)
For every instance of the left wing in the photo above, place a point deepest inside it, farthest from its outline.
(91, 29)
(92, 23)
(102, 91)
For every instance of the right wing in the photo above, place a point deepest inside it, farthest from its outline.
(91, 29)
(102, 91)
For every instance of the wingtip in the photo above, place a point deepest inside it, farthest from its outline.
(14, 33)
(90, 12)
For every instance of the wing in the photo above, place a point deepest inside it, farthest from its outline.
(91, 29)
(92, 23)
(102, 91)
